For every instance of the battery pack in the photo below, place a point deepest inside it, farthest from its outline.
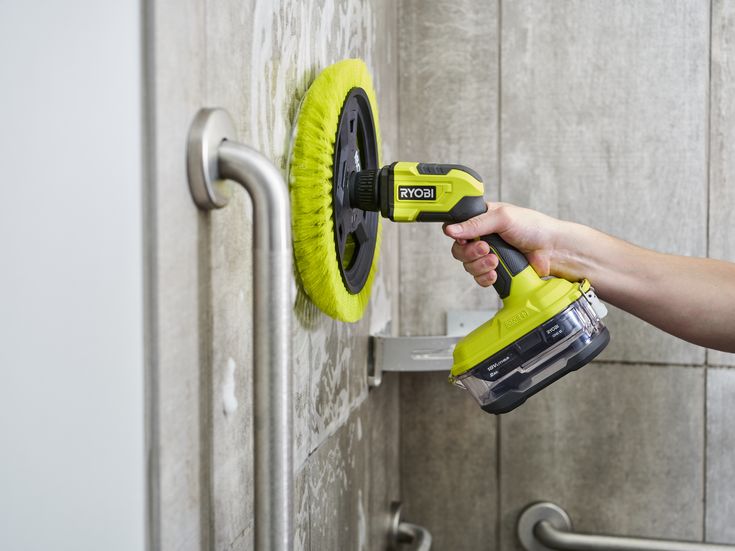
(559, 346)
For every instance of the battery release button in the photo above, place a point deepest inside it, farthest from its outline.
(530, 341)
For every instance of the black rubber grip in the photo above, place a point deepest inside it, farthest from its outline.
(512, 262)
(466, 208)
(443, 169)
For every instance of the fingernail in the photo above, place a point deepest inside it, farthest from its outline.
(484, 248)
(455, 229)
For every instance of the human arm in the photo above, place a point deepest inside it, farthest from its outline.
(692, 298)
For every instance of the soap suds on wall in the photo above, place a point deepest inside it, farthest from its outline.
(229, 400)
(292, 41)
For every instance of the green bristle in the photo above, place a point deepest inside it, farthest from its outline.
(312, 157)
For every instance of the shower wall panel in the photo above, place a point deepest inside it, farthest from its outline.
(448, 113)
(613, 114)
(256, 59)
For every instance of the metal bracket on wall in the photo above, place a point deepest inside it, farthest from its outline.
(412, 354)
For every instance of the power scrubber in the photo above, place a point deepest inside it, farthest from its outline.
(547, 327)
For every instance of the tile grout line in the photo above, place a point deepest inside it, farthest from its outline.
(499, 119)
(708, 147)
(397, 328)
(708, 176)
(708, 164)
(704, 459)
(644, 363)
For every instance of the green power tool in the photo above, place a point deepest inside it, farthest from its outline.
(547, 327)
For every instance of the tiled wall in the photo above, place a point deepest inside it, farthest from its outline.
(614, 114)
(256, 59)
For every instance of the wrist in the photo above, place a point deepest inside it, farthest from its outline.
(574, 251)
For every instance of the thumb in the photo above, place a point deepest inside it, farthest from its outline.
(478, 226)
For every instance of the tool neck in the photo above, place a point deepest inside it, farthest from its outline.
(523, 284)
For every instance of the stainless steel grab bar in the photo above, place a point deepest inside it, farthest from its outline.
(547, 527)
(400, 532)
(413, 533)
(212, 157)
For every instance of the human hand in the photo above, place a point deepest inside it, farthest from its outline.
(534, 234)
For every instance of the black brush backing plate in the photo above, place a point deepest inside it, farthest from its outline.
(355, 230)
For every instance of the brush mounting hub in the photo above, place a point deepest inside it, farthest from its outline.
(355, 230)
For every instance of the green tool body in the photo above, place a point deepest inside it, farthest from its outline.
(547, 327)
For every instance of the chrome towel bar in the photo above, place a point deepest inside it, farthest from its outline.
(547, 527)
(213, 157)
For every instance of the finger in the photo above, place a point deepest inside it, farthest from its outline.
(485, 280)
(482, 266)
(493, 221)
(471, 251)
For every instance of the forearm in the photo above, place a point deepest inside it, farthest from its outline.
(692, 298)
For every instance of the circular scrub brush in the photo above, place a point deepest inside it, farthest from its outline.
(336, 134)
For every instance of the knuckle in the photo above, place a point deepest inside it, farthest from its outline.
(480, 280)
(502, 214)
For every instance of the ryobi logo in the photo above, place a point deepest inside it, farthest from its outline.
(515, 320)
(417, 193)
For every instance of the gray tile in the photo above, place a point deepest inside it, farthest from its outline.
(337, 360)
(448, 114)
(633, 340)
(338, 485)
(448, 463)
(302, 500)
(620, 447)
(715, 357)
(720, 506)
(383, 448)
(604, 120)
(231, 401)
(353, 476)
(256, 59)
(722, 134)
(178, 285)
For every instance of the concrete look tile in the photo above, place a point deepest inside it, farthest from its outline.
(383, 432)
(717, 358)
(449, 114)
(256, 59)
(302, 499)
(231, 402)
(722, 134)
(178, 285)
(448, 463)
(353, 476)
(620, 447)
(604, 120)
(338, 479)
(720, 505)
